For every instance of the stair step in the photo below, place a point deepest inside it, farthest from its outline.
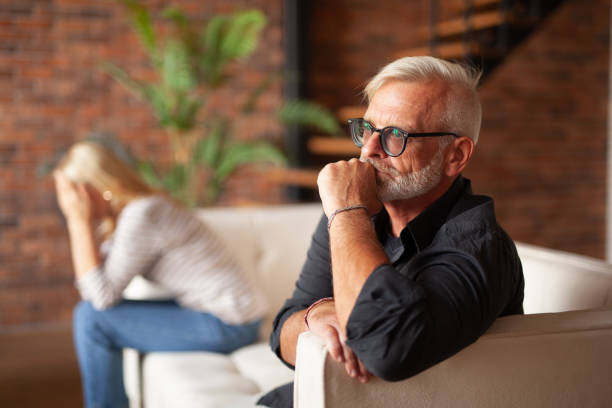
(448, 9)
(482, 3)
(478, 21)
(447, 50)
(333, 146)
(460, 5)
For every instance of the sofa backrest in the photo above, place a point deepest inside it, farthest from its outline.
(558, 281)
(270, 244)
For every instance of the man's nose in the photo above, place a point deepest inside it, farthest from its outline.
(373, 147)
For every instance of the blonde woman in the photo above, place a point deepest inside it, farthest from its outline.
(119, 228)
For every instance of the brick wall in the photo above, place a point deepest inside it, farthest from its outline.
(348, 41)
(51, 95)
(542, 154)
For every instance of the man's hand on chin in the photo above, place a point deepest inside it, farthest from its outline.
(345, 183)
(323, 322)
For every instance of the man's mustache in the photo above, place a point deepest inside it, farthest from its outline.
(380, 166)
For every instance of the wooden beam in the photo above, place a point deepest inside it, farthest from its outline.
(293, 177)
(348, 112)
(340, 146)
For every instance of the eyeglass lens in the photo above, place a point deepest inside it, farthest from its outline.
(391, 139)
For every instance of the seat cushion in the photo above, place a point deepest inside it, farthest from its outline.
(259, 364)
(211, 380)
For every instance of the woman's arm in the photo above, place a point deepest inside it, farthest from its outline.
(133, 251)
(75, 202)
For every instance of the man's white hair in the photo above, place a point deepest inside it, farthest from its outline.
(462, 112)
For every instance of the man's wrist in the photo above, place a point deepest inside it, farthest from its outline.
(312, 306)
(343, 210)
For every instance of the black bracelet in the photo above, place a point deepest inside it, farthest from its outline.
(343, 209)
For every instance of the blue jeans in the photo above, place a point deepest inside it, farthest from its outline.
(100, 335)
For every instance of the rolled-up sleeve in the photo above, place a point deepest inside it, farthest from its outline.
(408, 319)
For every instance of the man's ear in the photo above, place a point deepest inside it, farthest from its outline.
(460, 152)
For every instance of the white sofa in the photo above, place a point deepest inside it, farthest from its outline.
(546, 359)
(270, 243)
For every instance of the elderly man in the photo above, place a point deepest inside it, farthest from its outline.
(407, 266)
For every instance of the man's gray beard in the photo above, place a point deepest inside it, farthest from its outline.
(408, 185)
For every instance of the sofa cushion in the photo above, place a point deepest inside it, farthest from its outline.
(192, 380)
(207, 380)
(259, 364)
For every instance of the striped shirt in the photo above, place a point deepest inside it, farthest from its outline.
(168, 245)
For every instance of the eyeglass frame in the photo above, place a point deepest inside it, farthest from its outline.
(405, 135)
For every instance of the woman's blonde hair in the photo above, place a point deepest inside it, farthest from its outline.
(91, 163)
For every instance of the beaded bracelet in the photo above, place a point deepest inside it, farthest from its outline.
(318, 302)
(339, 210)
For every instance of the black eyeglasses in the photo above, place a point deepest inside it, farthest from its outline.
(392, 139)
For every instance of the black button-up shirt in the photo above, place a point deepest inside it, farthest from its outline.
(453, 270)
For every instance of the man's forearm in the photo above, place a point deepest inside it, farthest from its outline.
(292, 328)
(355, 253)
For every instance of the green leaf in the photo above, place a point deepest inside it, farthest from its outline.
(263, 86)
(176, 71)
(141, 23)
(119, 75)
(212, 62)
(227, 38)
(213, 34)
(176, 16)
(184, 31)
(213, 190)
(152, 94)
(304, 113)
(241, 153)
(208, 149)
(242, 33)
(160, 102)
(176, 179)
(185, 112)
(148, 173)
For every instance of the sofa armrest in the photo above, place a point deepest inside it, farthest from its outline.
(555, 359)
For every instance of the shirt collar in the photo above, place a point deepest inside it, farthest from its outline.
(419, 232)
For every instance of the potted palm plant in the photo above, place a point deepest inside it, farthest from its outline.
(191, 62)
